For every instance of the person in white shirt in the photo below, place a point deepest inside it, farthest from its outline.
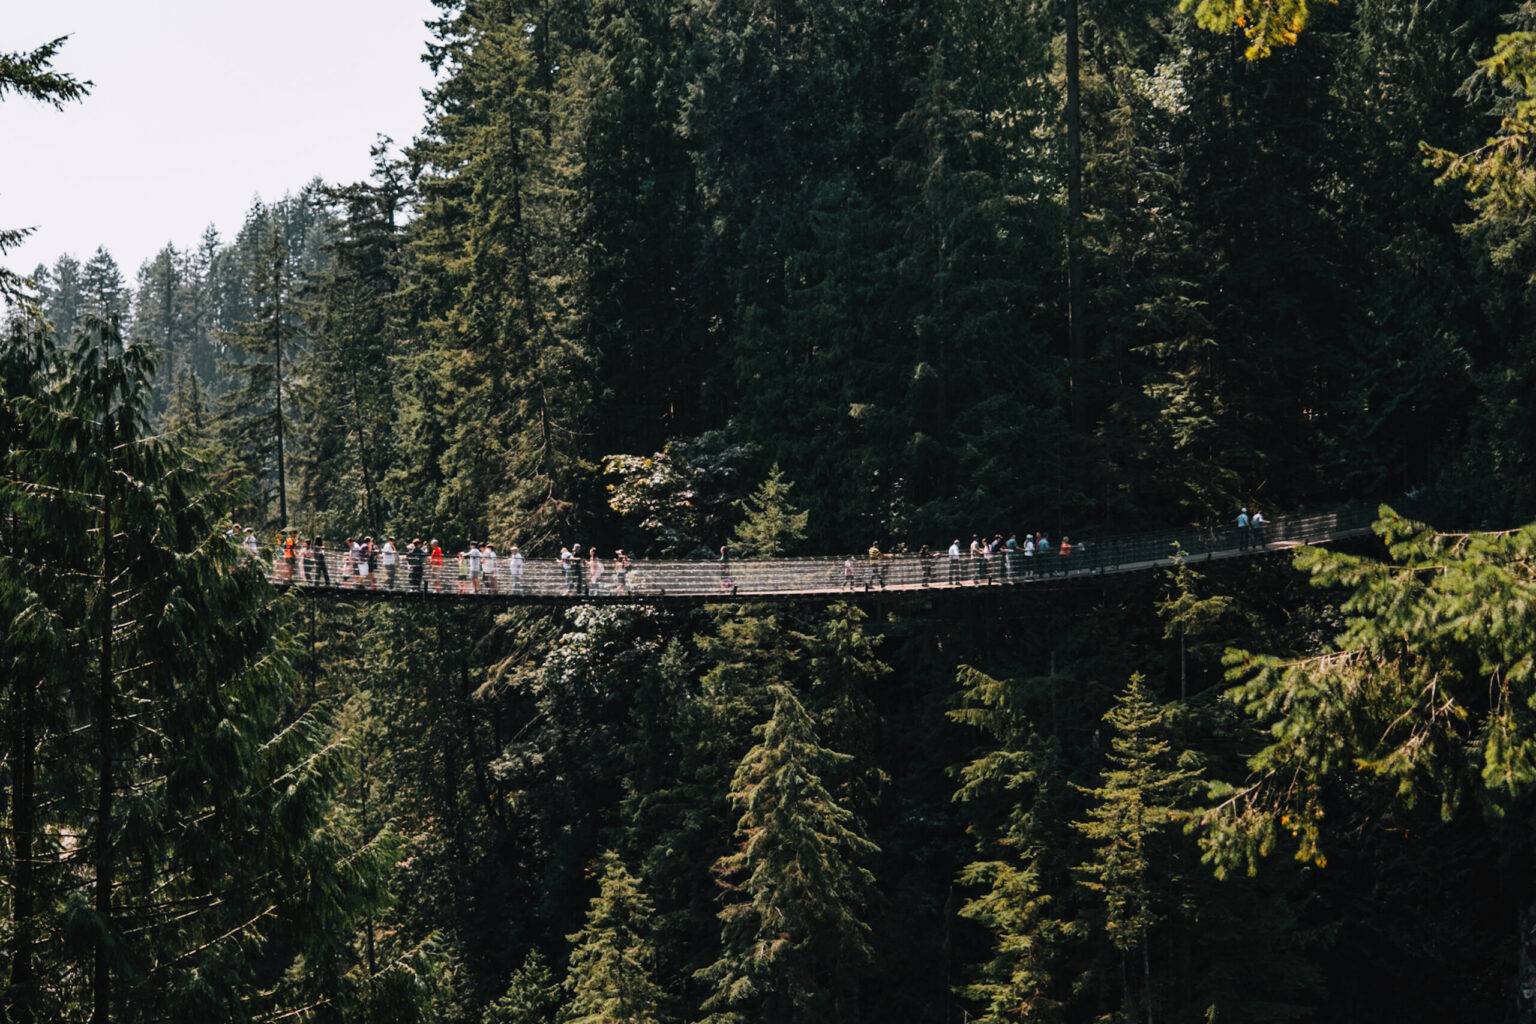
(390, 562)
(488, 562)
(250, 544)
(567, 561)
(954, 562)
(473, 557)
(515, 568)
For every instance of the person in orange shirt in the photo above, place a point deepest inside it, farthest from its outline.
(290, 555)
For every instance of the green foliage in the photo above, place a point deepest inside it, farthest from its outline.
(1266, 23)
(609, 979)
(771, 524)
(193, 752)
(1133, 810)
(793, 934)
(1016, 882)
(532, 997)
(30, 74)
(1420, 693)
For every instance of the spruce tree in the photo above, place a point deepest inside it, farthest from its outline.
(203, 796)
(254, 415)
(771, 524)
(1017, 794)
(609, 979)
(532, 996)
(1134, 813)
(102, 289)
(794, 937)
(30, 74)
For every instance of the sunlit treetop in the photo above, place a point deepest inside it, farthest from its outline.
(1266, 23)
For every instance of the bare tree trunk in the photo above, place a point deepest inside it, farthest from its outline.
(1075, 326)
(279, 278)
(1183, 677)
(1146, 977)
(21, 1000)
(102, 975)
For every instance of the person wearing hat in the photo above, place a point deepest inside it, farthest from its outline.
(250, 544)
(488, 565)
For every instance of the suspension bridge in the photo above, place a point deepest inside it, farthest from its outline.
(518, 580)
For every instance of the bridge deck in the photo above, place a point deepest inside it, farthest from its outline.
(544, 581)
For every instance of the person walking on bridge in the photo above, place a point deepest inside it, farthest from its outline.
(621, 570)
(472, 556)
(1256, 525)
(1243, 536)
(579, 569)
(435, 563)
(876, 567)
(391, 558)
(416, 563)
(515, 569)
(594, 572)
(322, 575)
(954, 563)
(488, 565)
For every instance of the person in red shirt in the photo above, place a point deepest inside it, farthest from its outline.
(435, 563)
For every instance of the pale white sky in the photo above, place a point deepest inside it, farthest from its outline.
(198, 106)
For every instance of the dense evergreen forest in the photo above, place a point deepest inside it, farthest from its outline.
(799, 276)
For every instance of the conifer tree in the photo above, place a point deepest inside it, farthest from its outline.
(102, 289)
(60, 298)
(203, 796)
(771, 524)
(794, 938)
(347, 398)
(1139, 805)
(1018, 794)
(609, 979)
(30, 74)
(254, 415)
(532, 996)
(1185, 614)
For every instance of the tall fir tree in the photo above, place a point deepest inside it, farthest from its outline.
(793, 930)
(609, 978)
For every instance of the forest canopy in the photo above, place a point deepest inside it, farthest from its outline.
(802, 277)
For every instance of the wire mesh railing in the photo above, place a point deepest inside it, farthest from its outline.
(515, 578)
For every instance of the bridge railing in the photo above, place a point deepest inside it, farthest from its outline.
(546, 578)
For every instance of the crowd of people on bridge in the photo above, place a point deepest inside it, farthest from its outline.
(422, 565)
